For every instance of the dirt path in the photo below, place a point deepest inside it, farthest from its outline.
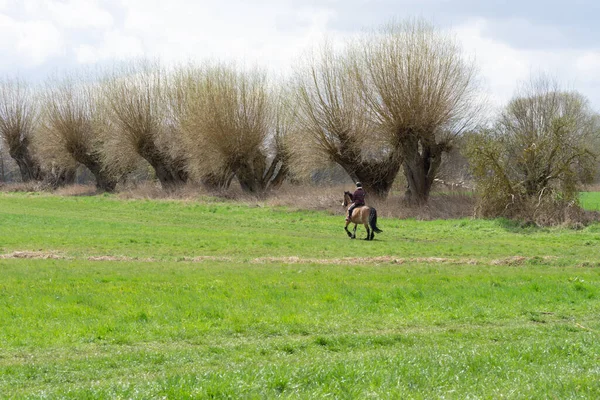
(55, 255)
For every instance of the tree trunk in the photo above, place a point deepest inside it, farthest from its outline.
(28, 166)
(278, 179)
(104, 182)
(421, 162)
(60, 177)
(254, 177)
(170, 173)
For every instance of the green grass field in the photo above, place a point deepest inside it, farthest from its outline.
(109, 298)
(590, 200)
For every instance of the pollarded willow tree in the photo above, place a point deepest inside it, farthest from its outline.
(18, 118)
(423, 92)
(394, 98)
(541, 148)
(71, 131)
(136, 102)
(335, 122)
(230, 126)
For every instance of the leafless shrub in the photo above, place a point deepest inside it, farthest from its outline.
(135, 99)
(530, 164)
(18, 118)
(455, 171)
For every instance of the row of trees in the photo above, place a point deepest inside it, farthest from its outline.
(209, 124)
(389, 103)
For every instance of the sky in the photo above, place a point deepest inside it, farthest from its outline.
(509, 40)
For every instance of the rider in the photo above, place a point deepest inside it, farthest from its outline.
(358, 200)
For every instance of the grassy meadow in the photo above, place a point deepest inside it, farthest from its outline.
(102, 297)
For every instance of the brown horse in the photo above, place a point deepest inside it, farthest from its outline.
(361, 215)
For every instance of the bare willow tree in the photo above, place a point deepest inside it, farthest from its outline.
(18, 119)
(335, 123)
(71, 129)
(537, 153)
(423, 92)
(231, 127)
(395, 97)
(137, 104)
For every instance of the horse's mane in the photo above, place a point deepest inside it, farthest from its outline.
(350, 195)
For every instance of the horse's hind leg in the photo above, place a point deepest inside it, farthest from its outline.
(368, 232)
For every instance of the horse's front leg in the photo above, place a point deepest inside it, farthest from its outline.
(354, 232)
(347, 231)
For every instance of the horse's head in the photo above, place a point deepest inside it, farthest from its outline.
(347, 199)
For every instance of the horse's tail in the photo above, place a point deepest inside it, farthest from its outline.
(373, 221)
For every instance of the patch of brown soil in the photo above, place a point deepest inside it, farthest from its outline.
(363, 260)
(514, 260)
(519, 260)
(205, 258)
(41, 255)
(110, 258)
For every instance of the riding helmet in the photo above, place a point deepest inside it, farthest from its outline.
(358, 184)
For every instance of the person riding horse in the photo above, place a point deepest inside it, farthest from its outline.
(359, 213)
(358, 200)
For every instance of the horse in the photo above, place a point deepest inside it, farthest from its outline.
(364, 215)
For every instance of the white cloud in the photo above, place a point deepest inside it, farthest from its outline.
(589, 63)
(79, 14)
(500, 65)
(29, 42)
(503, 68)
(272, 33)
(250, 32)
(114, 45)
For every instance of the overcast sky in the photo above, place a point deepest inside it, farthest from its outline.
(510, 39)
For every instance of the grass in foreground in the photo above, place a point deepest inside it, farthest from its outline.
(510, 312)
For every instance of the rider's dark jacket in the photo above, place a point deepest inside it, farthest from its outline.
(358, 198)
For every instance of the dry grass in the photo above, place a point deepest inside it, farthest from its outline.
(76, 190)
(31, 186)
(442, 205)
(153, 190)
(511, 261)
(38, 255)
